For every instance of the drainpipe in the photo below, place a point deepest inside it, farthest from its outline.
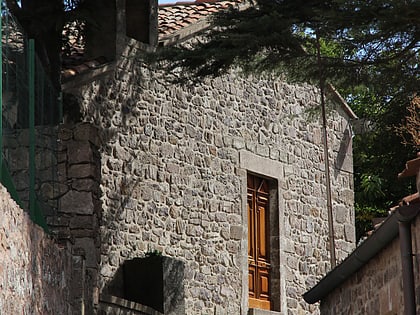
(404, 226)
(407, 268)
(326, 157)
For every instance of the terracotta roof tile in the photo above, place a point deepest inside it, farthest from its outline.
(171, 18)
(78, 64)
(188, 13)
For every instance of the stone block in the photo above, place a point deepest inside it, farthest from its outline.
(58, 221)
(53, 190)
(82, 222)
(87, 132)
(341, 214)
(85, 184)
(91, 252)
(77, 202)
(79, 152)
(236, 232)
(82, 171)
(65, 134)
(350, 234)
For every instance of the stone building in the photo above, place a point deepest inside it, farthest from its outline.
(224, 179)
(381, 276)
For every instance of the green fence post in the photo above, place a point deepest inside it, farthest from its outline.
(31, 73)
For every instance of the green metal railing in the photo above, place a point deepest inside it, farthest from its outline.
(31, 110)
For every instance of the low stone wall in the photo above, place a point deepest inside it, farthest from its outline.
(67, 187)
(377, 288)
(35, 273)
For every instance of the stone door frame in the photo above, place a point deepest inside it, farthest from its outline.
(273, 170)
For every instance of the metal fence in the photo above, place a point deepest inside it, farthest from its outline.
(31, 111)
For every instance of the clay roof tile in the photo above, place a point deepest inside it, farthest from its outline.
(188, 13)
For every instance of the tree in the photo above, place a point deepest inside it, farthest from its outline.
(379, 155)
(412, 125)
(369, 51)
(281, 36)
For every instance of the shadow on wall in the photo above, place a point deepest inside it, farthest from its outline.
(344, 152)
(155, 281)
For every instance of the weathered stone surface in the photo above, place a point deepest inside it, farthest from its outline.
(384, 273)
(53, 190)
(82, 222)
(81, 171)
(34, 272)
(79, 152)
(88, 245)
(87, 133)
(65, 134)
(84, 184)
(178, 156)
(77, 203)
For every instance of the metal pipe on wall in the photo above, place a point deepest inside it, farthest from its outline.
(331, 234)
(407, 267)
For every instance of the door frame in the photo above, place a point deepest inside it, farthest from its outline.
(260, 265)
(273, 171)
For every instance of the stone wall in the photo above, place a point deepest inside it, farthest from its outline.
(17, 157)
(35, 273)
(79, 207)
(67, 170)
(376, 288)
(171, 179)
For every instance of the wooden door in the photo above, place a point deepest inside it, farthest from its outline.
(258, 243)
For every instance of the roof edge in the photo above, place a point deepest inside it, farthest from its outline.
(88, 76)
(184, 33)
(412, 168)
(362, 254)
(342, 101)
(199, 26)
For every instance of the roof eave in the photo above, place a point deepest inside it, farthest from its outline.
(80, 79)
(184, 33)
(199, 26)
(337, 96)
(412, 168)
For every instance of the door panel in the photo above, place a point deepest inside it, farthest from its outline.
(251, 228)
(258, 249)
(261, 237)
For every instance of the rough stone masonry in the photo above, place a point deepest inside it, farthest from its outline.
(171, 179)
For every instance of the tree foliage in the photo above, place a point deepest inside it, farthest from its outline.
(280, 36)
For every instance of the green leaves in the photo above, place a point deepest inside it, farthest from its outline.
(371, 187)
(279, 36)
